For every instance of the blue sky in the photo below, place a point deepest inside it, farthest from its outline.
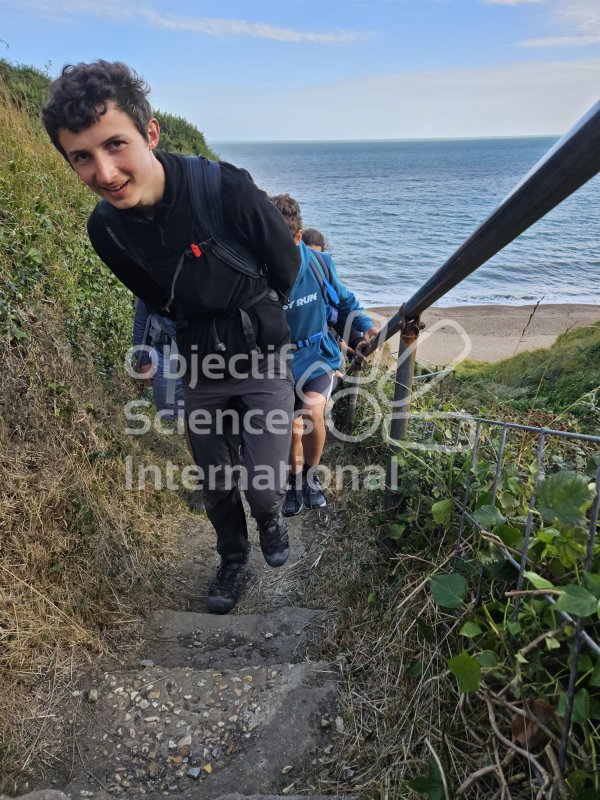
(333, 69)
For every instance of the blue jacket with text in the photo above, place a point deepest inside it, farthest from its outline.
(307, 312)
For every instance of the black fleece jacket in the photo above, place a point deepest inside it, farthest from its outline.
(207, 291)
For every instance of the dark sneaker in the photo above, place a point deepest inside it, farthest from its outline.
(274, 541)
(195, 500)
(225, 590)
(293, 503)
(313, 492)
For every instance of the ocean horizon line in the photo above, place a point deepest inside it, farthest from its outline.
(411, 140)
(394, 211)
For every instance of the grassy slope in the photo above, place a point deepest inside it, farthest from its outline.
(28, 88)
(401, 701)
(562, 378)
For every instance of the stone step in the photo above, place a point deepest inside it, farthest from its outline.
(203, 641)
(51, 794)
(204, 732)
(285, 797)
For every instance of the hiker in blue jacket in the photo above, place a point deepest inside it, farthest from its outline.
(318, 307)
(314, 239)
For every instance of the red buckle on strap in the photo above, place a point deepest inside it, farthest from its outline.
(196, 250)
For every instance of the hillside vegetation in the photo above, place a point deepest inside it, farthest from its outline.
(79, 553)
(563, 380)
(28, 87)
(458, 678)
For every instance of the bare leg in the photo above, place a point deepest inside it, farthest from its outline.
(296, 454)
(313, 441)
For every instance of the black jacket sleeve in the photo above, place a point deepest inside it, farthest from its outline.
(249, 214)
(126, 270)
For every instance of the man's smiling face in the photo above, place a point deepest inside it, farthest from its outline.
(115, 161)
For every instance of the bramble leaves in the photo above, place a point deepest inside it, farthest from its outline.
(514, 484)
(592, 583)
(561, 498)
(415, 670)
(509, 534)
(466, 670)
(431, 784)
(470, 629)
(487, 658)
(442, 511)
(449, 591)
(577, 600)
(538, 581)
(489, 516)
(581, 706)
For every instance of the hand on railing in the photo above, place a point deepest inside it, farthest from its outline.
(363, 347)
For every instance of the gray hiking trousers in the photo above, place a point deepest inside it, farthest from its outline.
(240, 433)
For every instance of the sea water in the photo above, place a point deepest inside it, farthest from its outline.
(394, 211)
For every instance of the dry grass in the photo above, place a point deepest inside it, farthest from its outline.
(79, 554)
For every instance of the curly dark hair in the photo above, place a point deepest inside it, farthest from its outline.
(314, 238)
(290, 211)
(79, 97)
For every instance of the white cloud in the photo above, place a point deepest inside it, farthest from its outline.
(511, 2)
(562, 41)
(139, 12)
(578, 19)
(212, 26)
(585, 14)
(520, 99)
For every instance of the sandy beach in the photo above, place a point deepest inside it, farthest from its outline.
(491, 333)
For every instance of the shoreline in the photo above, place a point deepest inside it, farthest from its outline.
(491, 332)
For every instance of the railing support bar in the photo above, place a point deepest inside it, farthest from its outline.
(405, 371)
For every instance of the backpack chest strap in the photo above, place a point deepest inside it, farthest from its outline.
(308, 341)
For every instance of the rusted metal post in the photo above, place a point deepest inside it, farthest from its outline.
(405, 371)
(352, 400)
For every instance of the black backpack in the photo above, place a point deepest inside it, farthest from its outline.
(205, 189)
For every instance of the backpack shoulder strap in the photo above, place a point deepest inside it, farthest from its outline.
(318, 258)
(320, 269)
(205, 190)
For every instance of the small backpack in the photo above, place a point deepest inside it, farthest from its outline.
(330, 297)
(321, 273)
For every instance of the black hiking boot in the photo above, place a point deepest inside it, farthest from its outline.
(195, 500)
(225, 590)
(274, 540)
(293, 502)
(313, 491)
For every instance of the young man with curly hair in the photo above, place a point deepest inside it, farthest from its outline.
(99, 118)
